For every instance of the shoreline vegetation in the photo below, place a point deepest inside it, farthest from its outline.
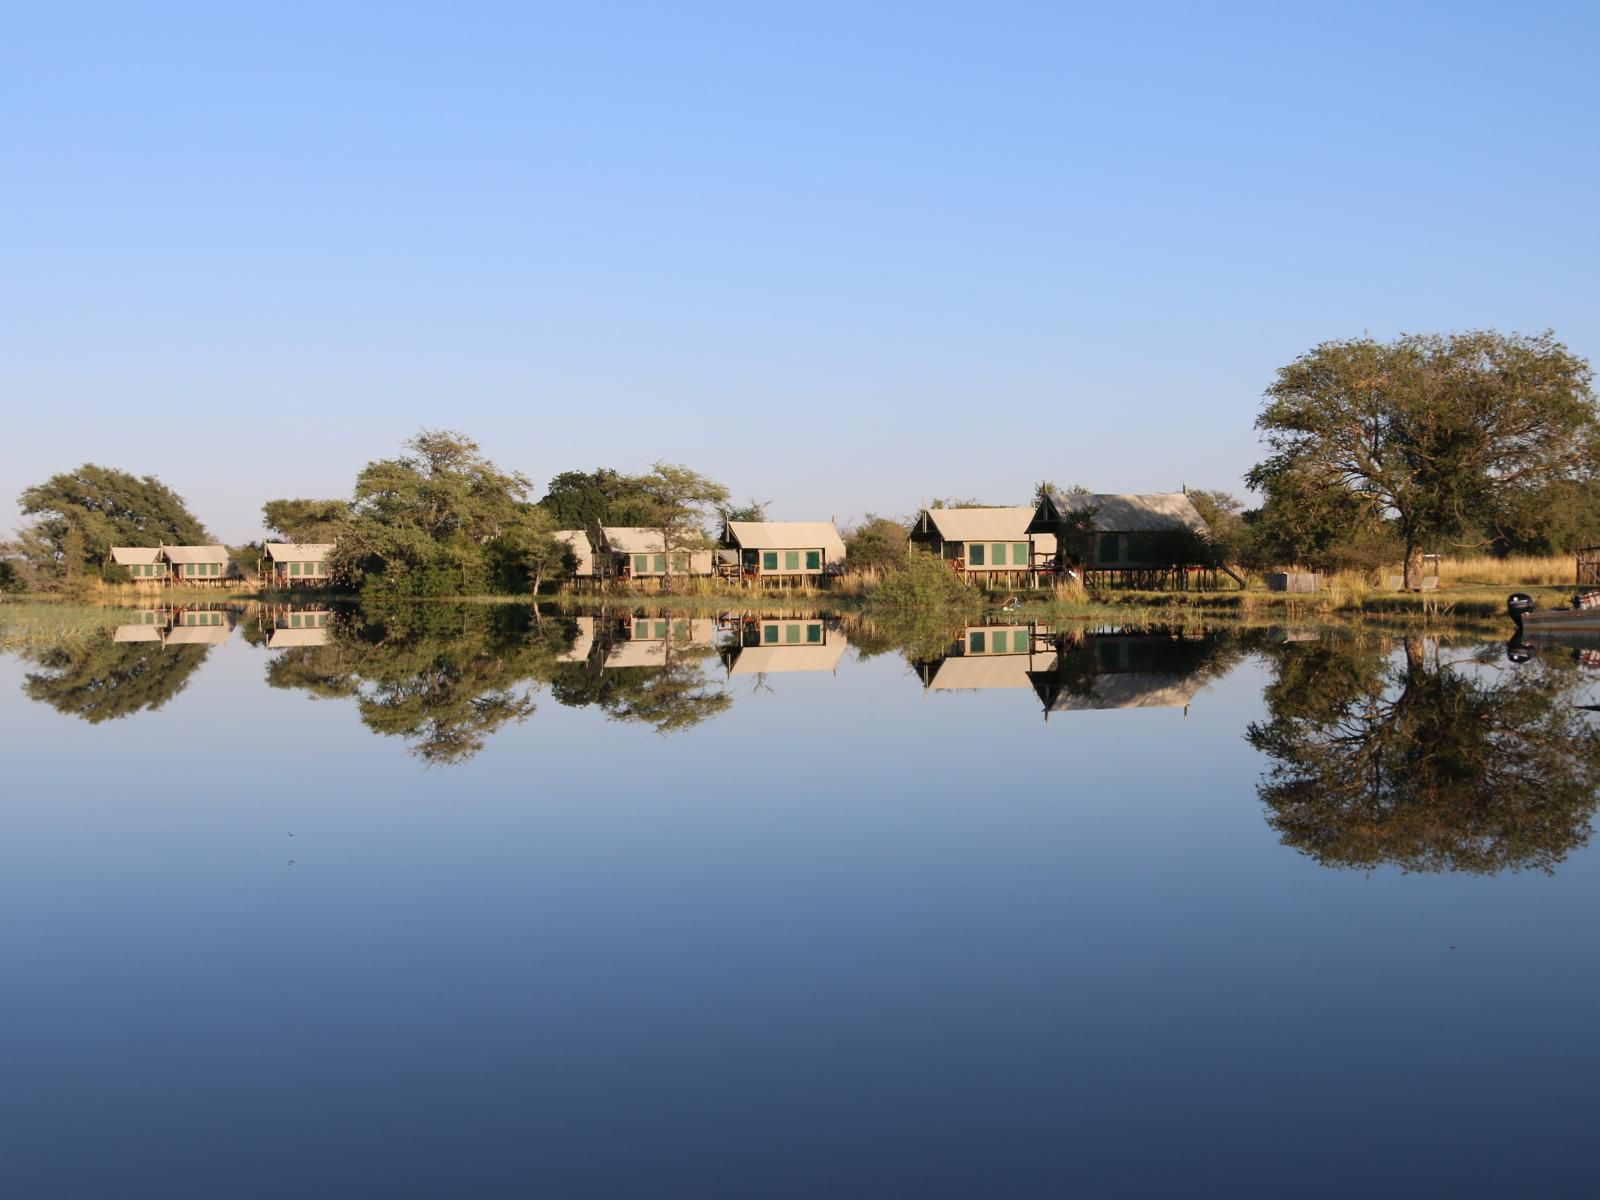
(1471, 592)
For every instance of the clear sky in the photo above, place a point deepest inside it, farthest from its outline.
(846, 257)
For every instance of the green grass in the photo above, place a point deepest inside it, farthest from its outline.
(30, 623)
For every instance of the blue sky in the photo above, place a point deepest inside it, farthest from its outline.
(846, 257)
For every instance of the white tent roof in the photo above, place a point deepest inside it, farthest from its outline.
(788, 535)
(981, 524)
(582, 643)
(198, 635)
(128, 556)
(578, 540)
(772, 660)
(280, 638)
(632, 539)
(138, 633)
(976, 672)
(298, 551)
(195, 554)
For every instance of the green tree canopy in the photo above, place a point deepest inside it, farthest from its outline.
(79, 515)
(678, 502)
(1441, 434)
(101, 680)
(876, 544)
(588, 499)
(306, 520)
(425, 523)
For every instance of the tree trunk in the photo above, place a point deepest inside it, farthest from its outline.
(1413, 570)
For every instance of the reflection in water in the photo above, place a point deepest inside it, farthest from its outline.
(1372, 756)
(1428, 764)
(141, 665)
(1073, 670)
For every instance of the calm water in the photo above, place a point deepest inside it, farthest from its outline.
(474, 902)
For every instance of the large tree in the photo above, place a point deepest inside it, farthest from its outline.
(678, 502)
(306, 520)
(876, 544)
(589, 499)
(79, 515)
(1436, 433)
(425, 522)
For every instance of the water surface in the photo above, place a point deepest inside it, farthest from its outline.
(482, 901)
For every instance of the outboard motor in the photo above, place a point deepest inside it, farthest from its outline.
(1517, 650)
(1517, 604)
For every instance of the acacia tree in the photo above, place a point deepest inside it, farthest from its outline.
(678, 502)
(306, 520)
(430, 515)
(81, 514)
(1436, 433)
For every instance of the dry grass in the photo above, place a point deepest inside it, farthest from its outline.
(46, 623)
(1518, 570)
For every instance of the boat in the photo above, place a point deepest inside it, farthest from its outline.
(1582, 617)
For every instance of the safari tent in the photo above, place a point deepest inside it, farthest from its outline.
(983, 541)
(195, 565)
(290, 563)
(144, 564)
(635, 552)
(772, 646)
(782, 549)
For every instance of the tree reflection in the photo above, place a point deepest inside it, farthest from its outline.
(1428, 765)
(101, 680)
(671, 693)
(443, 678)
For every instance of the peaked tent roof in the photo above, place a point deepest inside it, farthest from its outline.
(578, 541)
(775, 660)
(128, 556)
(980, 524)
(280, 638)
(298, 551)
(787, 535)
(195, 554)
(1146, 512)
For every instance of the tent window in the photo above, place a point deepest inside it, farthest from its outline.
(1110, 548)
(294, 568)
(1019, 554)
(661, 564)
(294, 621)
(975, 554)
(769, 560)
(769, 635)
(1019, 640)
(791, 634)
(641, 564)
(791, 560)
(813, 560)
(976, 642)
(680, 563)
(813, 634)
(1110, 658)
(1000, 554)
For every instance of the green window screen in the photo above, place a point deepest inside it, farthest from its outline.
(976, 642)
(1019, 554)
(294, 621)
(641, 564)
(813, 633)
(769, 560)
(975, 554)
(791, 560)
(216, 568)
(1019, 641)
(791, 634)
(1000, 554)
(294, 568)
(813, 560)
(661, 630)
(769, 635)
(680, 562)
(1110, 548)
(661, 564)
